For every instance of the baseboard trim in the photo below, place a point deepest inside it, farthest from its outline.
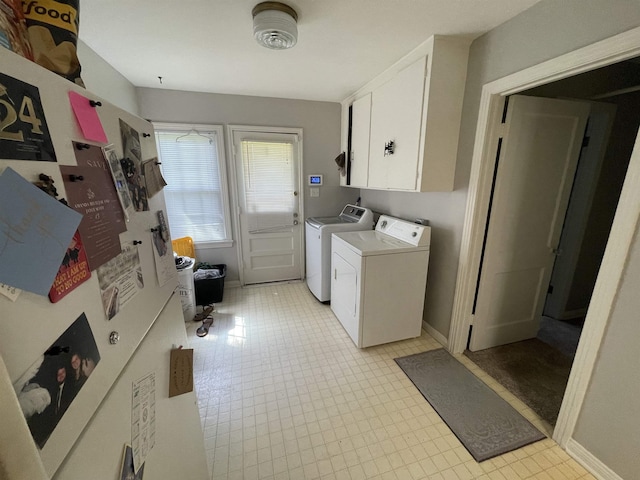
(436, 334)
(232, 283)
(590, 462)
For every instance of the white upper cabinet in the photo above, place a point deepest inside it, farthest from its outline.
(360, 126)
(414, 119)
(396, 115)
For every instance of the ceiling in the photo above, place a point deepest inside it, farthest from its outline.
(208, 45)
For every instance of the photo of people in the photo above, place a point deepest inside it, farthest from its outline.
(51, 384)
(132, 167)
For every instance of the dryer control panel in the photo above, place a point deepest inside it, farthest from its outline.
(409, 232)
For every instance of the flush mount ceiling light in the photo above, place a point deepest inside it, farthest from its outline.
(274, 25)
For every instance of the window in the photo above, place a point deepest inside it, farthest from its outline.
(193, 165)
(268, 181)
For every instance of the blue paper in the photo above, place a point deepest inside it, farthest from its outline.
(35, 231)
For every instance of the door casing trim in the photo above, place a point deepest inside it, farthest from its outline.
(614, 49)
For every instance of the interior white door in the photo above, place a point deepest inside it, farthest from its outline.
(535, 170)
(268, 186)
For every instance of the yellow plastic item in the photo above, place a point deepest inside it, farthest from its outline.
(184, 247)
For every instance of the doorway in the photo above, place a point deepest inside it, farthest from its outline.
(537, 369)
(267, 165)
(615, 49)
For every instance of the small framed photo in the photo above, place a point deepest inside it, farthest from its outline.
(128, 472)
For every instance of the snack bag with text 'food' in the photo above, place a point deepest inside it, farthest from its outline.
(53, 33)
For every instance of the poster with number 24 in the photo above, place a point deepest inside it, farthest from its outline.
(24, 134)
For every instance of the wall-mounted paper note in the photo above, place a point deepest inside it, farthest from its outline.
(120, 181)
(143, 418)
(87, 117)
(24, 134)
(35, 231)
(120, 280)
(181, 371)
(73, 272)
(96, 199)
(153, 176)
(162, 251)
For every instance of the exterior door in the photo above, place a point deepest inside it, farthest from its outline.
(268, 187)
(534, 173)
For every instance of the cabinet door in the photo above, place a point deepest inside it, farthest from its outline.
(360, 127)
(396, 115)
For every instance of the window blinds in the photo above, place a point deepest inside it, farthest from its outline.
(190, 166)
(268, 176)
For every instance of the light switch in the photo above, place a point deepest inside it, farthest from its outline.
(314, 192)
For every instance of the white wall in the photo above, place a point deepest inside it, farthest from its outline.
(320, 122)
(102, 79)
(608, 425)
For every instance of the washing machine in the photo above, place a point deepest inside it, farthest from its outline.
(378, 281)
(318, 231)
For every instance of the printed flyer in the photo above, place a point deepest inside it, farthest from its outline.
(143, 418)
(120, 280)
(24, 134)
(73, 271)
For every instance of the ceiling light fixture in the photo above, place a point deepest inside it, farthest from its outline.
(274, 25)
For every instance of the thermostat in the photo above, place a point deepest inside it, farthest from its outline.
(315, 180)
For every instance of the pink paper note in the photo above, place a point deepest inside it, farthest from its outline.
(88, 118)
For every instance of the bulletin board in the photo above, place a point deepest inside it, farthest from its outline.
(32, 323)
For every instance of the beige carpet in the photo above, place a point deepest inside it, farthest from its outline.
(533, 371)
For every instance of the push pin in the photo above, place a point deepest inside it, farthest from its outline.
(93, 103)
(76, 178)
(146, 134)
(158, 163)
(137, 242)
(155, 229)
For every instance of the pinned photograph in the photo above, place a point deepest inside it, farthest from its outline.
(47, 390)
(128, 473)
(132, 167)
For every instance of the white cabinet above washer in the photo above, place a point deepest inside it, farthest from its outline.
(413, 123)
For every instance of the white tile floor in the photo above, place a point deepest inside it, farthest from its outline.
(284, 394)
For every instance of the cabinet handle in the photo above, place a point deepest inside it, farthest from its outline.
(388, 148)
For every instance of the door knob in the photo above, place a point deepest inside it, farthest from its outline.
(295, 194)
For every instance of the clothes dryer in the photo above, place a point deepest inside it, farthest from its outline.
(318, 231)
(378, 281)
